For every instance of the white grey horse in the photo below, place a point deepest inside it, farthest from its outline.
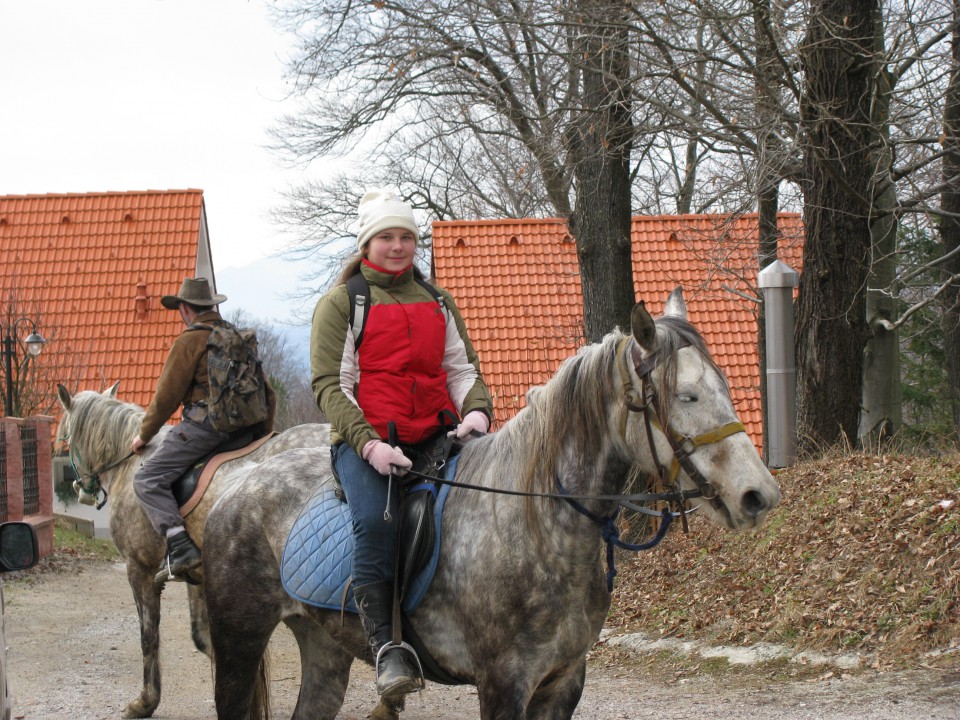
(519, 595)
(98, 429)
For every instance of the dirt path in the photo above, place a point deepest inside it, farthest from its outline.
(74, 653)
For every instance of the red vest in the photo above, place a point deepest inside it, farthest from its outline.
(402, 379)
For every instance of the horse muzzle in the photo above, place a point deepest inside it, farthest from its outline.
(753, 505)
(84, 497)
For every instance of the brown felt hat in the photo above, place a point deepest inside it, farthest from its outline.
(195, 291)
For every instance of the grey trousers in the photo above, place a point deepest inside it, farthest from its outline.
(180, 448)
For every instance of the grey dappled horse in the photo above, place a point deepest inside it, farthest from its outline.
(98, 429)
(519, 596)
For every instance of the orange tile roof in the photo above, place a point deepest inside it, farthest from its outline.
(91, 269)
(517, 284)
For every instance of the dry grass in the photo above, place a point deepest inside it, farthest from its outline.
(862, 556)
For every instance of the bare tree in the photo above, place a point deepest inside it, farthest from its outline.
(950, 219)
(489, 109)
(34, 380)
(493, 104)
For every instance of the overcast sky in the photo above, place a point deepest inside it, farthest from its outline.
(103, 95)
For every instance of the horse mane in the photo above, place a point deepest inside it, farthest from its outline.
(577, 406)
(100, 427)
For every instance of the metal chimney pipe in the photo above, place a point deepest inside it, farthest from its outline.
(777, 281)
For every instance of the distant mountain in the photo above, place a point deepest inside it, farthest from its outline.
(262, 289)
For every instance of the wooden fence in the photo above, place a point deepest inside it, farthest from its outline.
(26, 475)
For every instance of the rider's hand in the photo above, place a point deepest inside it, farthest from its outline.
(386, 459)
(137, 445)
(475, 422)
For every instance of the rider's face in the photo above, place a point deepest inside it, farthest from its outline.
(392, 249)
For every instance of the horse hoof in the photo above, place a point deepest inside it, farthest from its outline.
(137, 709)
(388, 709)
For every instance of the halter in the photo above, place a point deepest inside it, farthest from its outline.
(683, 446)
(90, 483)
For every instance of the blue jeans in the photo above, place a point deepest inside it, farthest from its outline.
(374, 539)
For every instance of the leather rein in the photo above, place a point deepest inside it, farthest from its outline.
(683, 447)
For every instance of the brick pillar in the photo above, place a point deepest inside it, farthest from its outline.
(14, 468)
(43, 522)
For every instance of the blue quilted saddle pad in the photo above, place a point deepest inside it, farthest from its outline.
(317, 560)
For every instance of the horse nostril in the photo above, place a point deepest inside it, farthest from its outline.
(753, 503)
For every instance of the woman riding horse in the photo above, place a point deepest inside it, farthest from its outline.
(416, 366)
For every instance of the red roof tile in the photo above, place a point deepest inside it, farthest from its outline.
(517, 284)
(91, 269)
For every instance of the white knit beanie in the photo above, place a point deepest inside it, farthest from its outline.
(380, 210)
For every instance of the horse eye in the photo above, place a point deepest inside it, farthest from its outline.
(687, 398)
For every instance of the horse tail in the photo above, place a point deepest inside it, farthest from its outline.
(259, 708)
(260, 704)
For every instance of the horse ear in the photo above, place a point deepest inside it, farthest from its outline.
(643, 328)
(675, 305)
(64, 396)
(112, 390)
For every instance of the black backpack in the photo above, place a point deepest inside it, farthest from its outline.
(238, 389)
(359, 291)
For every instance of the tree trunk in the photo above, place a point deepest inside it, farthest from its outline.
(835, 113)
(602, 212)
(950, 221)
(881, 413)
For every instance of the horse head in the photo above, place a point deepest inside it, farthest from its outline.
(681, 410)
(94, 427)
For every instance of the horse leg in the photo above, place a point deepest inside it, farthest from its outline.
(503, 696)
(241, 619)
(199, 622)
(239, 649)
(558, 696)
(324, 670)
(147, 598)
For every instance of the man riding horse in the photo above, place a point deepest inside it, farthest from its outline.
(184, 381)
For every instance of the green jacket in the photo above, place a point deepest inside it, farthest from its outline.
(335, 364)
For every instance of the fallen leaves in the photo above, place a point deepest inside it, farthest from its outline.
(862, 556)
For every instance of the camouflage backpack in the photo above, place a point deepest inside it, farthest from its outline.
(238, 393)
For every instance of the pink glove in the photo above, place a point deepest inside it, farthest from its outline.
(475, 421)
(386, 459)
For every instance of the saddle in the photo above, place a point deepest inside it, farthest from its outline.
(189, 488)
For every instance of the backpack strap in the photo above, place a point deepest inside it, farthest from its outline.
(358, 291)
(433, 292)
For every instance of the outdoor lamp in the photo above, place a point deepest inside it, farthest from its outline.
(34, 343)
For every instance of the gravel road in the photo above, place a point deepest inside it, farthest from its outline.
(75, 653)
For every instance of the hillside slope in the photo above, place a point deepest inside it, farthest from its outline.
(863, 555)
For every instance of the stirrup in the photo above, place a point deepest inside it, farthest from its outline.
(408, 649)
(166, 575)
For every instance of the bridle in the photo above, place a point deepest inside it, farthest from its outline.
(90, 483)
(683, 446)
